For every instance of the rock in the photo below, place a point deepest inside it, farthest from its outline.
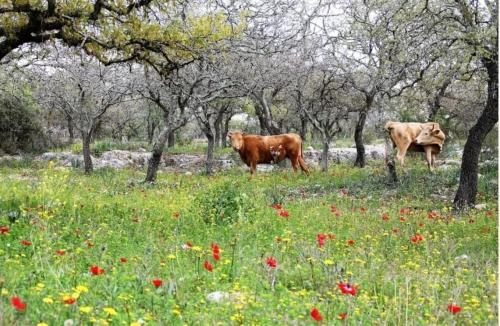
(462, 257)
(223, 297)
(480, 206)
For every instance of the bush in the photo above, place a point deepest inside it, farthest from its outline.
(223, 204)
(20, 129)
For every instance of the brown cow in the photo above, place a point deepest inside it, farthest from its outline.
(255, 149)
(416, 137)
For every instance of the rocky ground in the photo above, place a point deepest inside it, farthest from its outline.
(119, 159)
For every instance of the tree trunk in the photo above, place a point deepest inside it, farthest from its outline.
(210, 153)
(171, 139)
(436, 102)
(87, 159)
(324, 156)
(156, 153)
(225, 130)
(303, 128)
(358, 139)
(390, 162)
(217, 129)
(467, 189)
(71, 130)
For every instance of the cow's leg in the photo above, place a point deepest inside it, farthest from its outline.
(428, 157)
(303, 165)
(402, 153)
(433, 160)
(253, 167)
(295, 163)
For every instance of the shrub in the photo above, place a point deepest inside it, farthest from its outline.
(223, 204)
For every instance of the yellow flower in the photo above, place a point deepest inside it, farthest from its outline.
(86, 309)
(196, 248)
(42, 324)
(135, 324)
(110, 311)
(171, 256)
(328, 262)
(48, 300)
(5, 292)
(82, 289)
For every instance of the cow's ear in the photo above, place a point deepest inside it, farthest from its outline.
(435, 132)
(229, 134)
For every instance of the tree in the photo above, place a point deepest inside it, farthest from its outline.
(477, 28)
(84, 93)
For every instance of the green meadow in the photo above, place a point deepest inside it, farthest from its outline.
(281, 248)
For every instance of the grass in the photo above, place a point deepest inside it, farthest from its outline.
(137, 233)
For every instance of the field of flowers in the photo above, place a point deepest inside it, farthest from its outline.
(333, 248)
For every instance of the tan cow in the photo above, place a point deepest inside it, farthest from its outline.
(416, 137)
(255, 149)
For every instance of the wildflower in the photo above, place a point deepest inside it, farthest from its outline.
(48, 300)
(333, 208)
(454, 309)
(67, 299)
(489, 213)
(89, 244)
(110, 311)
(345, 288)
(18, 304)
(331, 236)
(316, 315)
(42, 324)
(4, 229)
(157, 283)
(271, 262)
(277, 206)
(284, 213)
(402, 219)
(176, 215)
(277, 239)
(60, 252)
(404, 211)
(96, 270)
(320, 238)
(171, 256)
(123, 260)
(342, 315)
(82, 289)
(417, 238)
(208, 266)
(385, 217)
(350, 242)
(188, 245)
(363, 209)
(432, 214)
(26, 243)
(216, 251)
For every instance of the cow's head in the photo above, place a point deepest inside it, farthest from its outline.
(236, 139)
(430, 134)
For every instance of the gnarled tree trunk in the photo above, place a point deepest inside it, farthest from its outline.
(171, 139)
(467, 189)
(210, 152)
(156, 153)
(324, 155)
(87, 159)
(358, 139)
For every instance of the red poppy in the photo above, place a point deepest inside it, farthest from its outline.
(18, 304)
(402, 219)
(277, 206)
(96, 270)
(4, 229)
(69, 300)
(157, 283)
(417, 238)
(89, 244)
(345, 288)
(271, 262)
(321, 239)
(208, 266)
(284, 213)
(338, 214)
(362, 209)
(489, 213)
(454, 309)
(176, 215)
(404, 211)
(432, 214)
(60, 252)
(385, 217)
(421, 224)
(123, 260)
(316, 315)
(350, 242)
(333, 208)
(26, 243)
(216, 251)
(342, 315)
